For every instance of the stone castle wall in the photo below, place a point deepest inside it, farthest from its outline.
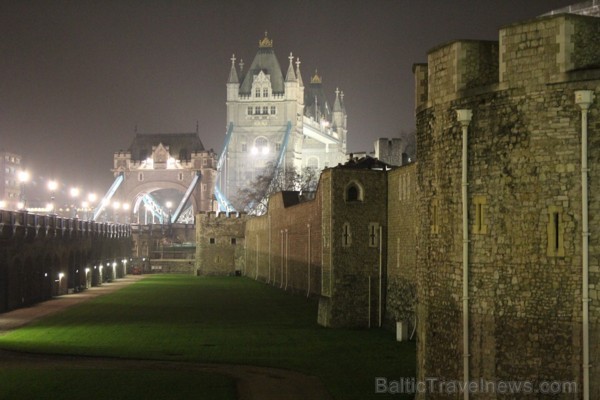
(401, 246)
(220, 243)
(351, 293)
(328, 246)
(283, 247)
(525, 206)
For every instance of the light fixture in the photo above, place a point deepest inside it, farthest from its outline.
(23, 176)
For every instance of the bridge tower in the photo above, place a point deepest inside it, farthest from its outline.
(269, 121)
(163, 177)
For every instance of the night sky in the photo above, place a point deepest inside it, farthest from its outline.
(77, 77)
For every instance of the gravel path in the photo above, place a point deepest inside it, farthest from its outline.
(253, 383)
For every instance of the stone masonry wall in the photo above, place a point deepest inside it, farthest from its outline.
(401, 247)
(524, 215)
(279, 249)
(220, 243)
(349, 301)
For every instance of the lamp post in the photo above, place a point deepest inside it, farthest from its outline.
(126, 208)
(74, 192)
(91, 199)
(23, 179)
(84, 207)
(169, 205)
(52, 186)
(116, 205)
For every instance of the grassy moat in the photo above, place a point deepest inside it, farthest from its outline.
(208, 320)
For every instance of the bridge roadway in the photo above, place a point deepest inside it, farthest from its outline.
(44, 256)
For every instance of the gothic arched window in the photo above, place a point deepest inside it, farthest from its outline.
(354, 192)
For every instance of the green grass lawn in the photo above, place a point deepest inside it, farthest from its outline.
(113, 384)
(221, 320)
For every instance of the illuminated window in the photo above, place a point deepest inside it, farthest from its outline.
(261, 142)
(313, 162)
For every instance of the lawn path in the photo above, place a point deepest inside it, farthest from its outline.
(253, 383)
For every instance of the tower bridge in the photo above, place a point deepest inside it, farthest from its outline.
(275, 118)
(163, 178)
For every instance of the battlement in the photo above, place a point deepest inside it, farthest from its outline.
(24, 224)
(529, 53)
(455, 67)
(221, 215)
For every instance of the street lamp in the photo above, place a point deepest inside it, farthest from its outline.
(84, 206)
(23, 179)
(52, 186)
(116, 205)
(169, 205)
(74, 192)
(126, 207)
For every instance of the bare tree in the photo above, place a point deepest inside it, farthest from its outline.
(253, 199)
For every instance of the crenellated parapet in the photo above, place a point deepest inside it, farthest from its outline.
(499, 203)
(20, 224)
(220, 243)
(528, 54)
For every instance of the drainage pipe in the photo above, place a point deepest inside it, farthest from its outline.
(282, 253)
(287, 270)
(269, 221)
(584, 99)
(380, 275)
(308, 264)
(464, 117)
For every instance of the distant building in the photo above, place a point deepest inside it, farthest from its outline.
(10, 189)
